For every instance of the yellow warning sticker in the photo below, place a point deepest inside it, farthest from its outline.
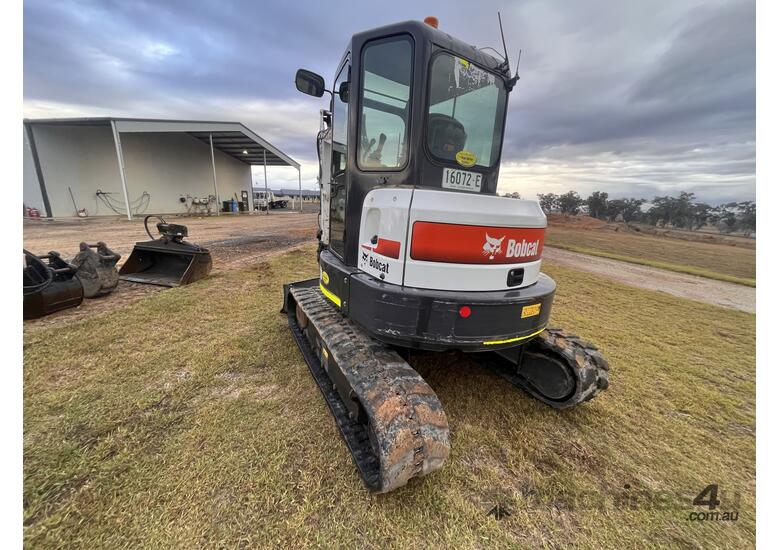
(530, 311)
(466, 158)
(325, 278)
(464, 62)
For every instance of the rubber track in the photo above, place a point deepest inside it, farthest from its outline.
(588, 366)
(404, 415)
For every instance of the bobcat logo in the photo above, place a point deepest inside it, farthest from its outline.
(492, 246)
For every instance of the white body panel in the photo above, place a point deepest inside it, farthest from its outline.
(470, 209)
(441, 276)
(390, 214)
(473, 209)
(385, 215)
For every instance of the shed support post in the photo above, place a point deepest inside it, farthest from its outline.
(251, 204)
(300, 190)
(38, 171)
(214, 172)
(121, 160)
(265, 176)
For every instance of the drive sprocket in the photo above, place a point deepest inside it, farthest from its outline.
(558, 368)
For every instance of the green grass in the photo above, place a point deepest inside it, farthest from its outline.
(189, 419)
(662, 265)
(715, 261)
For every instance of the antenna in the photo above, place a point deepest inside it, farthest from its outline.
(513, 80)
(501, 29)
(517, 68)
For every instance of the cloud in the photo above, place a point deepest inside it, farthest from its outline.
(632, 98)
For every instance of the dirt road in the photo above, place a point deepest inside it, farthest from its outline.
(700, 289)
(231, 237)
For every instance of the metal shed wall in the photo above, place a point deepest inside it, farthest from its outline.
(82, 158)
(166, 165)
(173, 165)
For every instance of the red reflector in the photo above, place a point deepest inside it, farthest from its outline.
(464, 311)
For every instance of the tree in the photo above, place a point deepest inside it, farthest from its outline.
(746, 212)
(677, 211)
(632, 209)
(597, 204)
(700, 215)
(725, 217)
(569, 203)
(548, 201)
(661, 212)
(613, 209)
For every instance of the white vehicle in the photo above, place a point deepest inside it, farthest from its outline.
(263, 203)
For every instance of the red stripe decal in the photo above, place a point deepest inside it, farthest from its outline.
(475, 244)
(385, 247)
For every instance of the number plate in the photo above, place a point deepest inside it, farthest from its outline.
(462, 180)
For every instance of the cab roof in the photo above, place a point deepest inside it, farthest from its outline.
(426, 33)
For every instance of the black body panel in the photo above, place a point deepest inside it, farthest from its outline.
(430, 319)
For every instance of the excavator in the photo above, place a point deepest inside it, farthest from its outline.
(418, 252)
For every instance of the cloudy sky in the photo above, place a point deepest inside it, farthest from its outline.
(632, 98)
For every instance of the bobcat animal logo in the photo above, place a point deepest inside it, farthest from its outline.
(492, 246)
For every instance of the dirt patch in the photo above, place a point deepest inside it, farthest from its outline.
(709, 236)
(709, 291)
(575, 222)
(695, 236)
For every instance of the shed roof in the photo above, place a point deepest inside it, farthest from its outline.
(232, 138)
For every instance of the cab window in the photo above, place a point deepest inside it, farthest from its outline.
(384, 104)
(465, 112)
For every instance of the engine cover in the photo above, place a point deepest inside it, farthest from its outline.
(446, 240)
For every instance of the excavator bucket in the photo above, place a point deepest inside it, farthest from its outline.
(168, 260)
(50, 284)
(96, 269)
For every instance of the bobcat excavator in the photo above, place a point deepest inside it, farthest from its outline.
(418, 252)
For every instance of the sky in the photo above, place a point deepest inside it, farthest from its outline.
(637, 99)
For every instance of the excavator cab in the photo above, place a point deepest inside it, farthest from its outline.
(410, 106)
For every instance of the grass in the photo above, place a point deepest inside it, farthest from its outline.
(714, 261)
(189, 419)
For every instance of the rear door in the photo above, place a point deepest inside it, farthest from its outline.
(473, 242)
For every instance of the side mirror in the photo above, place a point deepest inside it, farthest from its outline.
(344, 92)
(309, 83)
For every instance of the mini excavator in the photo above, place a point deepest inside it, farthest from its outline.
(418, 252)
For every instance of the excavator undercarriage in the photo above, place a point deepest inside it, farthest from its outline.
(392, 421)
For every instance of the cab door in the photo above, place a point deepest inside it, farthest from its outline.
(338, 186)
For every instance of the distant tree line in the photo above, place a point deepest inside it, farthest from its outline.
(683, 212)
